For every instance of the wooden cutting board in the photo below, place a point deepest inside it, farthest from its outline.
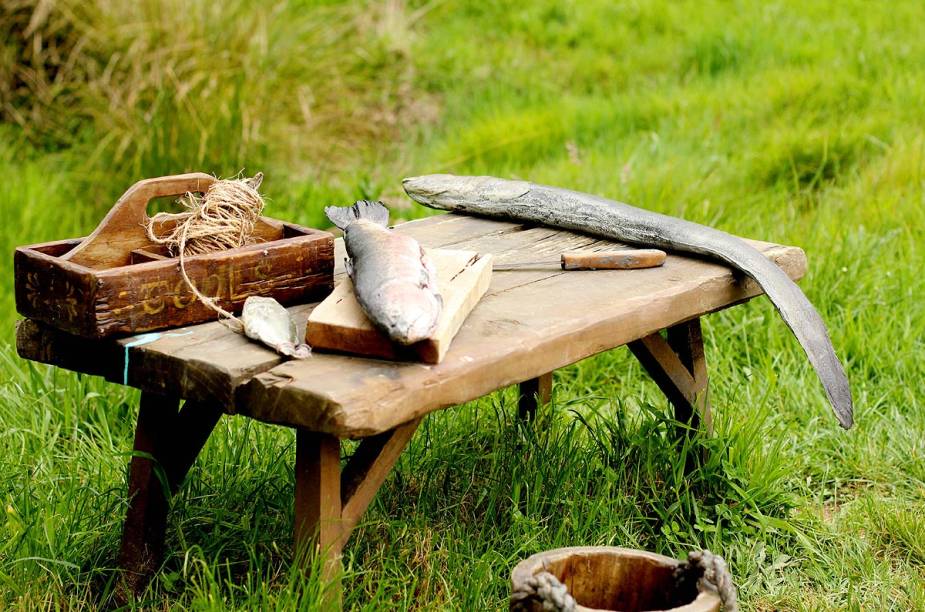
(339, 323)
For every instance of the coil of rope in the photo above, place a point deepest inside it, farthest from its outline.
(707, 570)
(223, 218)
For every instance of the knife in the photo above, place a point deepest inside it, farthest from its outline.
(626, 259)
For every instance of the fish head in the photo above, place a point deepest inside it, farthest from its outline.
(267, 320)
(414, 315)
(439, 190)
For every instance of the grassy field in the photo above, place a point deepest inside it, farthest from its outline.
(795, 122)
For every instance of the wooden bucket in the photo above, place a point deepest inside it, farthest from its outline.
(617, 579)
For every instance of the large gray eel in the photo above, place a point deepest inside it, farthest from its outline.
(597, 216)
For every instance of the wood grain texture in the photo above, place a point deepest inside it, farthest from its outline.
(529, 322)
(53, 290)
(612, 578)
(340, 324)
(318, 526)
(152, 295)
(329, 501)
(122, 230)
(206, 363)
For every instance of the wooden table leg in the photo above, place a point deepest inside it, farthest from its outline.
(166, 444)
(318, 526)
(678, 367)
(533, 394)
(328, 502)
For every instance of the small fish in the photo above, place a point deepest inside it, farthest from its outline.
(266, 321)
(394, 281)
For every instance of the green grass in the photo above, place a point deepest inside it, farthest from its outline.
(795, 122)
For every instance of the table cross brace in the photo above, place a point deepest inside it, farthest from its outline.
(329, 501)
(678, 366)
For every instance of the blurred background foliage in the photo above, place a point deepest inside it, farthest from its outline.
(796, 122)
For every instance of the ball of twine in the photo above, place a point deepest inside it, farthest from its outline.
(224, 218)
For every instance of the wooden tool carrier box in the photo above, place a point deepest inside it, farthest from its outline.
(116, 281)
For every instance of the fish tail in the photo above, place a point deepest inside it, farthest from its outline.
(795, 309)
(342, 216)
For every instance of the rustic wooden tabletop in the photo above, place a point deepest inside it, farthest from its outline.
(531, 321)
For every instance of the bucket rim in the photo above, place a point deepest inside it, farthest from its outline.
(525, 569)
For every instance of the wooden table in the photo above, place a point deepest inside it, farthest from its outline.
(530, 322)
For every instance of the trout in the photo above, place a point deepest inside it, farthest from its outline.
(603, 218)
(394, 281)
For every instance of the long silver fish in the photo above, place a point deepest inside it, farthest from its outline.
(582, 212)
(394, 281)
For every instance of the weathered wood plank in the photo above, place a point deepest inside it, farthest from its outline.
(453, 231)
(153, 295)
(209, 361)
(202, 362)
(52, 290)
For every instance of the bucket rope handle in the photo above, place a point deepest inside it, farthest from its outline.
(709, 570)
(712, 574)
(545, 589)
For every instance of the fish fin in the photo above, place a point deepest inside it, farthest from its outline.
(429, 278)
(342, 216)
(428, 272)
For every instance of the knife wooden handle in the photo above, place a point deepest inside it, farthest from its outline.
(613, 260)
